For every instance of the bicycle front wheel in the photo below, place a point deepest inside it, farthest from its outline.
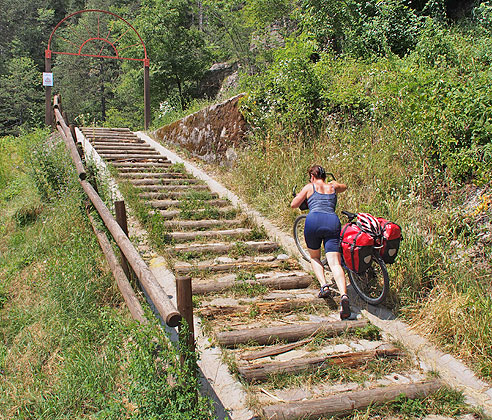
(373, 284)
(299, 238)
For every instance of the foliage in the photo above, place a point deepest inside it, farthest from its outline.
(21, 97)
(162, 386)
(361, 28)
(68, 346)
(177, 48)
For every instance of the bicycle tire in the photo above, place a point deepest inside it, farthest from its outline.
(298, 231)
(373, 284)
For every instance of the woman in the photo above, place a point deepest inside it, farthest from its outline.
(323, 225)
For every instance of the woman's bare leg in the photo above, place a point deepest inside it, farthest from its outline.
(334, 261)
(319, 271)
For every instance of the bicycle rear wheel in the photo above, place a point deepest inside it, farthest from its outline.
(299, 238)
(373, 284)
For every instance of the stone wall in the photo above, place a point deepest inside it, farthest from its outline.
(211, 134)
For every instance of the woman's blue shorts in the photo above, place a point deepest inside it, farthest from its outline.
(322, 227)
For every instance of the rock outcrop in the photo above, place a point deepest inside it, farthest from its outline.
(211, 134)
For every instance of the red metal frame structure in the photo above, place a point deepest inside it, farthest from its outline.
(78, 51)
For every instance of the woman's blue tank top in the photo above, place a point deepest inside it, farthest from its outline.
(322, 203)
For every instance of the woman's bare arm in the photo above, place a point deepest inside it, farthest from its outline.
(338, 187)
(299, 198)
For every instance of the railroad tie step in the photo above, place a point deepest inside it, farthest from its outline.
(227, 211)
(278, 281)
(164, 164)
(213, 311)
(221, 247)
(194, 235)
(287, 333)
(122, 155)
(165, 204)
(115, 150)
(261, 371)
(245, 264)
(149, 175)
(172, 188)
(200, 224)
(164, 181)
(346, 402)
(177, 195)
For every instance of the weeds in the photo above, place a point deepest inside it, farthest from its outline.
(68, 347)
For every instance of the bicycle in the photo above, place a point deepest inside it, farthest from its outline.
(372, 285)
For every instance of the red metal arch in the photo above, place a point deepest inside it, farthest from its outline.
(118, 56)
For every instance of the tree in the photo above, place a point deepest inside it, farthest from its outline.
(21, 96)
(176, 48)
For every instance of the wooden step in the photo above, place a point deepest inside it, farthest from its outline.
(261, 371)
(150, 175)
(180, 195)
(276, 281)
(223, 247)
(266, 307)
(170, 188)
(123, 144)
(153, 169)
(123, 148)
(287, 333)
(120, 157)
(164, 164)
(246, 264)
(164, 204)
(224, 211)
(121, 154)
(346, 402)
(164, 181)
(197, 235)
(199, 224)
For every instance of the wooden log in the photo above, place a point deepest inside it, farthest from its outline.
(64, 130)
(148, 281)
(346, 402)
(163, 181)
(285, 305)
(149, 175)
(220, 247)
(199, 224)
(236, 265)
(122, 155)
(184, 300)
(164, 204)
(261, 371)
(164, 164)
(176, 195)
(121, 146)
(278, 283)
(160, 187)
(274, 350)
(222, 211)
(199, 234)
(124, 285)
(289, 333)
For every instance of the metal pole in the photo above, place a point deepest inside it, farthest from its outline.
(120, 211)
(147, 93)
(48, 115)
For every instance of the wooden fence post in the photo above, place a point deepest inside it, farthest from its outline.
(120, 210)
(184, 297)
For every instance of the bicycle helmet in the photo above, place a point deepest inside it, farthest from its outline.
(369, 224)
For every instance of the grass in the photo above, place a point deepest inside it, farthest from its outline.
(68, 346)
(441, 258)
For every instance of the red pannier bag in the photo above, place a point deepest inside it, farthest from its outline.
(356, 247)
(391, 240)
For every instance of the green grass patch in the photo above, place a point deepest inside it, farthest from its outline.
(68, 346)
